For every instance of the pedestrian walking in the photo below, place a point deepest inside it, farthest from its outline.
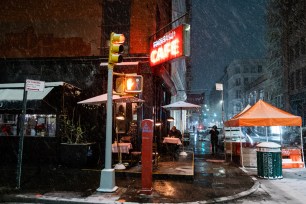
(214, 139)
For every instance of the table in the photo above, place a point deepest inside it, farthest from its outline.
(172, 144)
(123, 148)
(172, 140)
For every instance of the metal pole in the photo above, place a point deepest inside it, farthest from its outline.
(21, 138)
(183, 153)
(301, 132)
(107, 181)
(241, 151)
(223, 118)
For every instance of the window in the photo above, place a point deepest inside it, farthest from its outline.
(238, 94)
(237, 70)
(246, 81)
(245, 70)
(42, 125)
(279, 101)
(8, 124)
(261, 94)
(238, 82)
(253, 70)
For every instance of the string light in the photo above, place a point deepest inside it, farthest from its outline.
(90, 107)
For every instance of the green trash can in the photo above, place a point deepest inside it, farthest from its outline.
(269, 160)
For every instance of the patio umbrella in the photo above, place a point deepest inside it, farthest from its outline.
(181, 105)
(97, 100)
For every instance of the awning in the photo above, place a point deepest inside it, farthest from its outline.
(17, 94)
(47, 102)
(12, 100)
(97, 100)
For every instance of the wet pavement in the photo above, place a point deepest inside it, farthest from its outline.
(199, 177)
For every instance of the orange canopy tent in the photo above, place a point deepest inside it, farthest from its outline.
(264, 114)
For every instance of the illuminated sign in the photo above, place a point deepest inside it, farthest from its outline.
(172, 45)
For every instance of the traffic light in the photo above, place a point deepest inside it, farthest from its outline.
(133, 83)
(115, 48)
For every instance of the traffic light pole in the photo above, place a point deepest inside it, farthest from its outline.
(107, 180)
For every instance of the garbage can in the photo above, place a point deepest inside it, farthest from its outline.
(269, 160)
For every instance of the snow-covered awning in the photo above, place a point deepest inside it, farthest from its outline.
(48, 101)
(17, 94)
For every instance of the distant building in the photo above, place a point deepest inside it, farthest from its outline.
(240, 74)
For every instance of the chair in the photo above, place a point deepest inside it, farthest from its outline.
(155, 155)
(135, 157)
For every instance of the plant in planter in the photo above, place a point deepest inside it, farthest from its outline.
(75, 151)
(73, 134)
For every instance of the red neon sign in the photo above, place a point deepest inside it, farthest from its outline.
(168, 47)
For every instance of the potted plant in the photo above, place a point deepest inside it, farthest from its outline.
(75, 150)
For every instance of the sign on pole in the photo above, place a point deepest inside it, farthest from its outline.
(30, 85)
(219, 87)
(33, 85)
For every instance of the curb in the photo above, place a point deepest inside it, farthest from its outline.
(39, 199)
(236, 196)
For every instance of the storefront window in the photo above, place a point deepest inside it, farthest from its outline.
(8, 124)
(35, 125)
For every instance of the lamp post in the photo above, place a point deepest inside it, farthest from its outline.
(219, 87)
(119, 165)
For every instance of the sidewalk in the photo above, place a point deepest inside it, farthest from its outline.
(213, 180)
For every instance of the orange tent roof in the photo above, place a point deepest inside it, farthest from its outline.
(264, 114)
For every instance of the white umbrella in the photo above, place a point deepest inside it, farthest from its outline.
(97, 100)
(181, 105)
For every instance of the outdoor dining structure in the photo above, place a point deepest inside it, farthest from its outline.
(122, 145)
(261, 123)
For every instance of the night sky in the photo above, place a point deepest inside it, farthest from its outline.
(221, 32)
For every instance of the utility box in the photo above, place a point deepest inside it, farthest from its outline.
(269, 160)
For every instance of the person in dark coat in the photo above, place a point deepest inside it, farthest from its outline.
(214, 139)
(175, 133)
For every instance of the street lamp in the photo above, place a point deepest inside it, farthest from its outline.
(219, 87)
